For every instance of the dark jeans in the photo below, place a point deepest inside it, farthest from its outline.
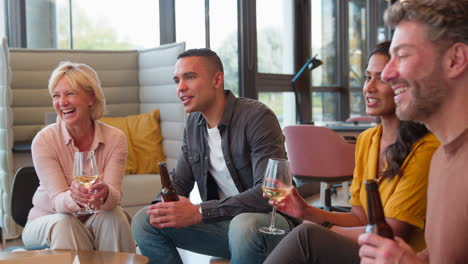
(311, 243)
(238, 239)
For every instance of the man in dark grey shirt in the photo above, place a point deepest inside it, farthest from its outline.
(227, 144)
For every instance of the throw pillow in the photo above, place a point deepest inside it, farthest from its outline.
(144, 139)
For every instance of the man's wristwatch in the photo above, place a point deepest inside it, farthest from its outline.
(327, 224)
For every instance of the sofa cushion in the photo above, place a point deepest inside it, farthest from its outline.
(144, 141)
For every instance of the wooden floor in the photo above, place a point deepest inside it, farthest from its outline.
(12, 243)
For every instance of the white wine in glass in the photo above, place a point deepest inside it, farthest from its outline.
(276, 185)
(276, 194)
(85, 172)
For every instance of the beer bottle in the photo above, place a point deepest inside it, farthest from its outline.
(375, 214)
(168, 193)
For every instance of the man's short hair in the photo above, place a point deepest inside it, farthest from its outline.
(447, 20)
(207, 53)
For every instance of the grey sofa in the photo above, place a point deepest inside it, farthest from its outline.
(134, 82)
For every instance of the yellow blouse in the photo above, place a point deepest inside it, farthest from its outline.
(404, 197)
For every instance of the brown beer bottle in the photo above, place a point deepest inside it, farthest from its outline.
(375, 214)
(168, 193)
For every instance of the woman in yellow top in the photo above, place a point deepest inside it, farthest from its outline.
(397, 153)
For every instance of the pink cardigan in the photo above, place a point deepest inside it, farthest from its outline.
(52, 152)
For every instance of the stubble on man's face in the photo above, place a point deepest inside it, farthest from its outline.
(421, 72)
(427, 95)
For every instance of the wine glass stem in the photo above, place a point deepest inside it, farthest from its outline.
(273, 214)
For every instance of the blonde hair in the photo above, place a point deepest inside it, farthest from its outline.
(447, 20)
(82, 76)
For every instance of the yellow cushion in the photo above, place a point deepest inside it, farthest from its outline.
(144, 139)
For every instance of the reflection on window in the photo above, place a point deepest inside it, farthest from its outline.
(325, 106)
(275, 36)
(357, 41)
(123, 25)
(357, 104)
(280, 103)
(324, 42)
(224, 40)
(190, 23)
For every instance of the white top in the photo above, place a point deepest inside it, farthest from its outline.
(217, 167)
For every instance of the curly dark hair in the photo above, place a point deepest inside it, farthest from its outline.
(408, 132)
(395, 154)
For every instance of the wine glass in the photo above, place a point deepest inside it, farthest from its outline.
(85, 172)
(276, 185)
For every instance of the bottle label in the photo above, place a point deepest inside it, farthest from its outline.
(371, 229)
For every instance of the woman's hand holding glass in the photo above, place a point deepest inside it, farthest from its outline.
(94, 197)
(79, 194)
(276, 185)
(293, 204)
(86, 174)
(99, 191)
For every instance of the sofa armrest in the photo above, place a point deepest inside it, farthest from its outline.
(138, 190)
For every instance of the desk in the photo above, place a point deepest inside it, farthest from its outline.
(85, 256)
(349, 130)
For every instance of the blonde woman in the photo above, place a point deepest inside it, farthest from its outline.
(79, 101)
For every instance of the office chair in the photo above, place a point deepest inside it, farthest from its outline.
(24, 186)
(318, 154)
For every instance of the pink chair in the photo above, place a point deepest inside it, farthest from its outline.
(318, 154)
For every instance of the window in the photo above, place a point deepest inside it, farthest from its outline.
(123, 25)
(340, 32)
(280, 103)
(190, 23)
(383, 31)
(357, 41)
(324, 42)
(357, 54)
(325, 106)
(223, 33)
(275, 54)
(275, 36)
(357, 104)
(223, 40)
(2, 19)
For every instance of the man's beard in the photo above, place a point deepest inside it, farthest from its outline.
(426, 97)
